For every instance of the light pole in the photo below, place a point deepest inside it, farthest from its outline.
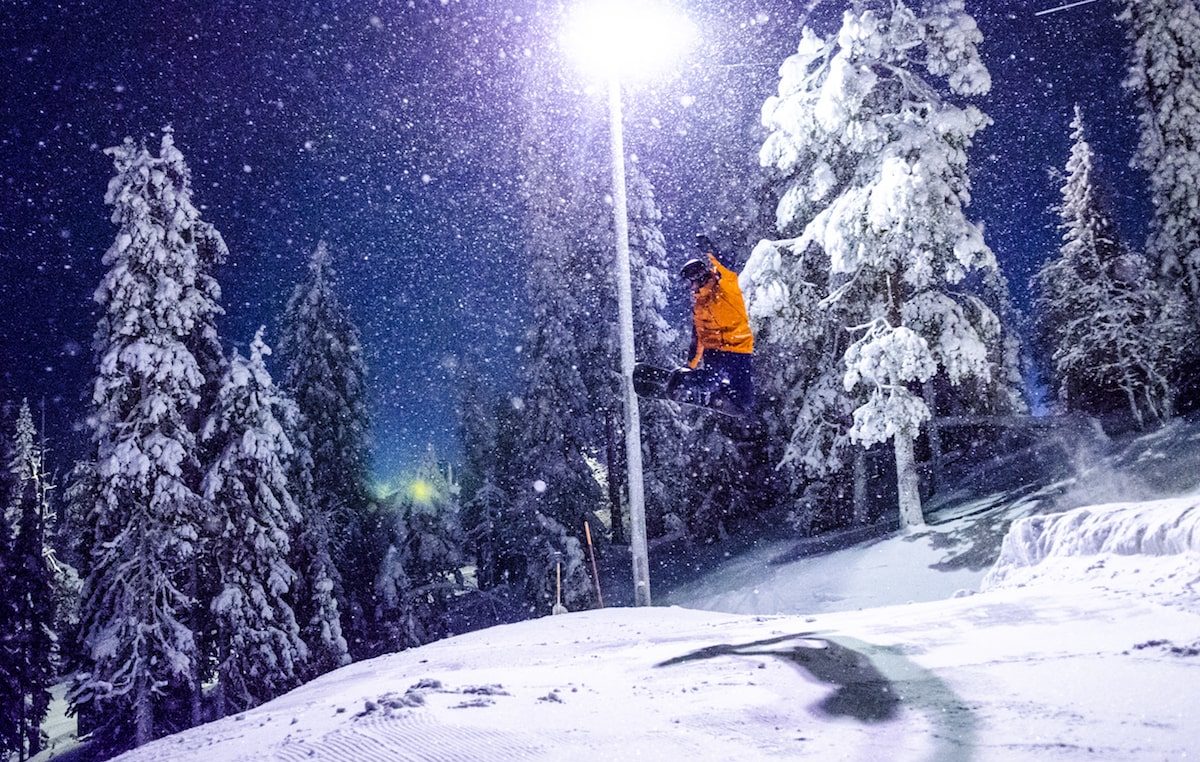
(614, 38)
(633, 421)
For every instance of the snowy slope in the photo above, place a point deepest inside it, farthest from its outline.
(968, 523)
(1062, 657)
(896, 569)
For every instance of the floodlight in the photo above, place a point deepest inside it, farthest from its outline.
(626, 38)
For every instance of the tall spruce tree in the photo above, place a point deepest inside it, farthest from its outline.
(204, 343)
(1164, 75)
(1108, 332)
(259, 650)
(555, 488)
(325, 373)
(874, 157)
(314, 597)
(137, 648)
(31, 586)
(11, 696)
(487, 504)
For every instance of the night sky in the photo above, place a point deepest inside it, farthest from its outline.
(382, 126)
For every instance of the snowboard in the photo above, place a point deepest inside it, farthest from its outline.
(651, 381)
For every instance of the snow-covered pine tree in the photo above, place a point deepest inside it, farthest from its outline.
(326, 376)
(486, 505)
(1164, 74)
(553, 489)
(799, 372)
(396, 614)
(485, 513)
(204, 343)
(11, 697)
(30, 587)
(1003, 392)
(422, 571)
(144, 525)
(1108, 332)
(875, 158)
(314, 597)
(25, 461)
(76, 539)
(19, 465)
(556, 488)
(259, 649)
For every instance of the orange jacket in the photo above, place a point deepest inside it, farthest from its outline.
(719, 316)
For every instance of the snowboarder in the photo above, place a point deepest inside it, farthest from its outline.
(719, 368)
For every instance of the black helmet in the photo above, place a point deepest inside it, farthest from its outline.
(696, 270)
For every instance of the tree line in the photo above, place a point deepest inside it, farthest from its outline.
(217, 546)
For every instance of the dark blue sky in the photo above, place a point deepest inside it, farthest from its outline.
(383, 126)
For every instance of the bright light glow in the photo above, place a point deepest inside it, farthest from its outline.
(417, 490)
(421, 492)
(626, 38)
(381, 491)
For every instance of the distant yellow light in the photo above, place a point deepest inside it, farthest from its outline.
(421, 491)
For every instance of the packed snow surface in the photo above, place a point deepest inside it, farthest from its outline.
(1071, 662)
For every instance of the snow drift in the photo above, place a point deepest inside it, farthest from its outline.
(1124, 546)
(1161, 528)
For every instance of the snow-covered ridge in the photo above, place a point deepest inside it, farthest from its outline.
(1151, 529)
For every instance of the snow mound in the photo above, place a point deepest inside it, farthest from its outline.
(1131, 546)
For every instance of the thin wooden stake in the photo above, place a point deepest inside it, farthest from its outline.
(587, 531)
(559, 608)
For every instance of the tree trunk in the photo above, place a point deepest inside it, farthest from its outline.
(907, 483)
(197, 686)
(1128, 386)
(908, 486)
(219, 699)
(23, 723)
(860, 486)
(144, 710)
(935, 440)
(614, 483)
(35, 740)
